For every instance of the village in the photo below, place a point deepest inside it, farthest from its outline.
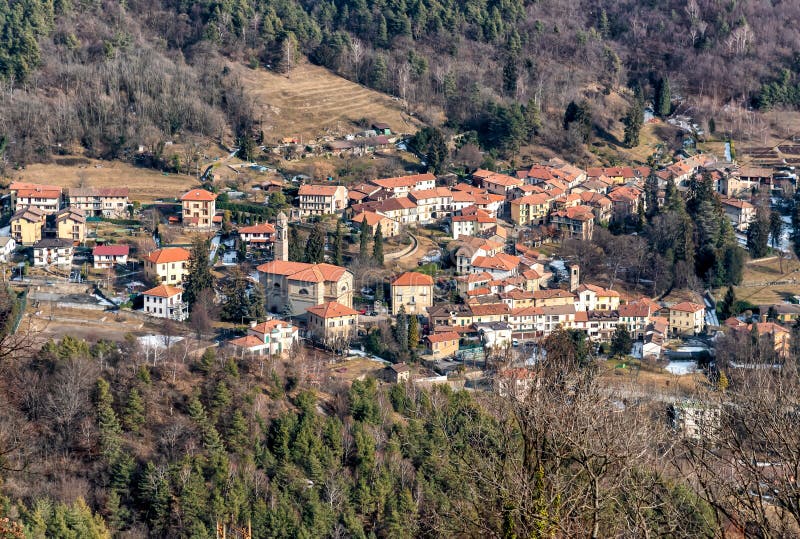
(469, 281)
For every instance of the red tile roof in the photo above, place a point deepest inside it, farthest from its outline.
(413, 278)
(404, 181)
(263, 228)
(301, 271)
(111, 250)
(168, 255)
(248, 341)
(199, 195)
(687, 307)
(332, 309)
(442, 337)
(318, 190)
(163, 291)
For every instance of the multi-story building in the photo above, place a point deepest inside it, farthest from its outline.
(199, 208)
(591, 298)
(168, 265)
(7, 246)
(389, 227)
(27, 225)
(294, 287)
(413, 291)
(165, 301)
(259, 236)
(575, 222)
(71, 225)
(470, 222)
(686, 318)
(100, 201)
(108, 256)
(531, 209)
(44, 197)
(273, 337)
(432, 204)
(322, 199)
(740, 212)
(332, 324)
(442, 345)
(53, 252)
(401, 185)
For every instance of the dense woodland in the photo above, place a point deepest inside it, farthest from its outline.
(106, 439)
(109, 76)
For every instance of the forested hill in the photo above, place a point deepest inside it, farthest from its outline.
(112, 75)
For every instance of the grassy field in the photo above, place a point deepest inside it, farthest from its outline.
(311, 101)
(767, 271)
(145, 184)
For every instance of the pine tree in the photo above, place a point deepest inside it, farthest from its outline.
(338, 256)
(413, 332)
(401, 328)
(107, 421)
(775, 232)
(663, 99)
(241, 251)
(296, 246)
(134, 416)
(377, 246)
(533, 118)
(758, 234)
(727, 305)
(722, 382)
(315, 246)
(621, 341)
(199, 276)
(651, 196)
(363, 248)
(634, 120)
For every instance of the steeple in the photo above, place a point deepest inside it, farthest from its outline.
(282, 237)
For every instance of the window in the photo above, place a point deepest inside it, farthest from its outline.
(303, 292)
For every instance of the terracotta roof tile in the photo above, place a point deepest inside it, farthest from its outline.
(413, 278)
(163, 291)
(331, 309)
(199, 195)
(168, 255)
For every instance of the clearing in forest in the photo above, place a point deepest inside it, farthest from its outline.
(311, 101)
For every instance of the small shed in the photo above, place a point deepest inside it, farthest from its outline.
(382, 128)
(397, 373)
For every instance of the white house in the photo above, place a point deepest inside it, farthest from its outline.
(108, 256)
(165, 301)
(52, 252)
(273, 337)
(7, 246)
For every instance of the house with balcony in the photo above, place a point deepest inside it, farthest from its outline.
(165, 301)
(199, 208)
(322, 199)
(413, 291)
(71, 225)
(53, 252)
(100, 201)
(273, 338)
(109, 256)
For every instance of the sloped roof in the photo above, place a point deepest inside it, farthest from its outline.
(163, 291)
(413, 278)
(442, 337)
(262, 228)
(168, 255)
(404, 181)
(331, 309)
(318, 190)
(111, 250)
(199, 195)
(687, 307)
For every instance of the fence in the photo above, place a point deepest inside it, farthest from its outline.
(22, 304)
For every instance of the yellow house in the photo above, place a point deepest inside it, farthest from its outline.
(530, 209)
(332, 324)
(27, 225)
(442, 345)
(199, 208)
(167, 266)
(414, 291)
(71, 225)
(686, 318)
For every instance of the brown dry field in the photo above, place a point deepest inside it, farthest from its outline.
(311, 101)
(146, 185)
(767, 271)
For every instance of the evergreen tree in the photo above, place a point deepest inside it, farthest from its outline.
(663, 99)
(775, 232)
(621, 341)
(296, 249)
(533, 118)
(651, 196)
(758, 233)
(413, 332)
(580, 115)
(315, 247)
(107, 422)
(510, 76)
(338, 247)
(363, 249)
(728, 304)
(430, 142)
(795, 231)
(241, 251)
(401, 328)
(377, 246)
(199, 276)
(634, 120)
(236, 307)
(134, 416)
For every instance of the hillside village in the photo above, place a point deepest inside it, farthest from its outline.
(485, 298)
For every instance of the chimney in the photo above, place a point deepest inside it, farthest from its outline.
(763, 317)
(574, 277)
(253, 324)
